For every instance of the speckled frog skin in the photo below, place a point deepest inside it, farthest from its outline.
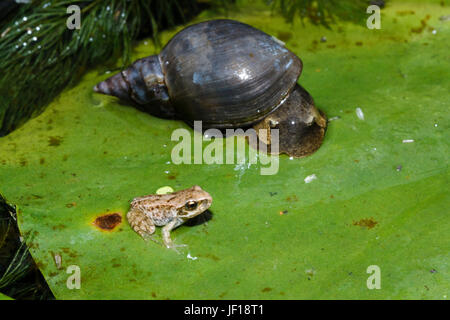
(167, 210)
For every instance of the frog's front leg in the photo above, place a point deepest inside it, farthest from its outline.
(141, 223)
(166, 234)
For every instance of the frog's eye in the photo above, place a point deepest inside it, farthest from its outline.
(191, 205)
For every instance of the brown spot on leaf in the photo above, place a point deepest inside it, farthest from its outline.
(266, 289)
(54, 141)
(405, 12)
(292, 198)
(423, 24)
(210, 256)
(108, 221)
(69, 252)
(366, 223)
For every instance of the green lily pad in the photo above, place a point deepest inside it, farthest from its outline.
(4, 297)
(379, 198)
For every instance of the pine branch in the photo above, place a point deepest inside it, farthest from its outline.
(40, 55)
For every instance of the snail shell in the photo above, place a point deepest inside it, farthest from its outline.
(222, 72)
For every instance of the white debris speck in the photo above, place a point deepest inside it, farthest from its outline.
(167, 172)
(435, 124)
(310, 178)
(25, 19)
(374, 149)
(359, 113)
(145, 42)
(408, 141)
(21, 239)
(333, 118)
(58, 260)
(291, 158)
(191, 257)
(434, 31)
(310, 272)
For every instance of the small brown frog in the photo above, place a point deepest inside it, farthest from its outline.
(168, 210)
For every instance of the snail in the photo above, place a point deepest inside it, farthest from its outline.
(228, 75)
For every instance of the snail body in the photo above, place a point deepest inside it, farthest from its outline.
(301, 125)
(224, 73)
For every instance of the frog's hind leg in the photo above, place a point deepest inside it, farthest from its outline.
(142, 224)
